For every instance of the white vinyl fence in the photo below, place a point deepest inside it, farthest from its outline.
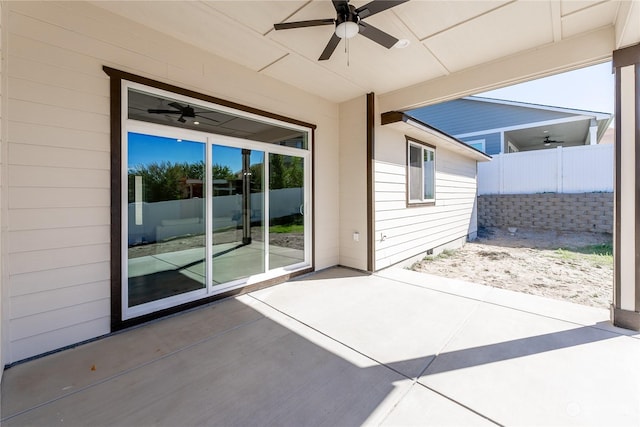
(583, 169)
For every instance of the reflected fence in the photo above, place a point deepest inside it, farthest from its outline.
(160, 221)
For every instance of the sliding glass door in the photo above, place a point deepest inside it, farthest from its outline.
(165, 218)
(206, 214)
(286, 210)
(213, 199)
(237, 214)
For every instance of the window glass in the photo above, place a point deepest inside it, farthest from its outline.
(422, 161)
(286, 210)
(154, 108)
(166, 228)
(415, 172)
(429, 173)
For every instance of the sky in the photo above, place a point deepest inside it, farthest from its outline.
(590, 88)
(147, 149)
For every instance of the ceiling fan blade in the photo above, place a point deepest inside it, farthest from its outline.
(302, 24)
(331, 46)
(377, 6)
(176, 105)
(376, 35)
(340, 6)
(152, 111)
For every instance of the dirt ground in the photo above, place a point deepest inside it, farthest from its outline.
(576, 267)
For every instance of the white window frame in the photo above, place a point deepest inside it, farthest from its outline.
(411, 143)
(129, 125)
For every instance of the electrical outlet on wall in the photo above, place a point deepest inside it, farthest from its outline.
(356, 236)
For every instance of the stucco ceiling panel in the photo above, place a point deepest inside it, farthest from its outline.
(257, 15)
(429, 18)
(508, 30)
(600, 15)
(199, 25)
(304, 74)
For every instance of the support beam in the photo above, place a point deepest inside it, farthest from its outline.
(570, 54)
(625, 310)
(593, 132)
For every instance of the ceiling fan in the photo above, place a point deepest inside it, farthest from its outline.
(184, 111)
(548, 141)
(348, 23)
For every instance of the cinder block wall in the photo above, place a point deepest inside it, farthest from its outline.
(548, 211)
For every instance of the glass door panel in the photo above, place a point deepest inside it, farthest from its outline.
(166, 227)
(286, 210)
(238, 213)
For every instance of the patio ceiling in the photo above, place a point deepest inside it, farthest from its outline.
(446, 37)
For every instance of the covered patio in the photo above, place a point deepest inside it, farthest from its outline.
(341, 347)
(353, 339)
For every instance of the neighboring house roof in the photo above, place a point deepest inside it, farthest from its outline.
(526, 125)
(407, 124)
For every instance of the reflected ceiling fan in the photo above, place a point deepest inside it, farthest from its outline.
(547, 141)
(185, 112)
(348, 23)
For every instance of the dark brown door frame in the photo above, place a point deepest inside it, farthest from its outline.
(115, 89)
(371, 127)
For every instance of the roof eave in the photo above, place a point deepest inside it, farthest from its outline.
(398, 117)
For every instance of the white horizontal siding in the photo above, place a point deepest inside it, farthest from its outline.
(55, 238)
(411, 230)
(29, 304)
(51, 280)
(81, 326)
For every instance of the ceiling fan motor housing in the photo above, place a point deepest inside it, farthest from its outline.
(345, 20)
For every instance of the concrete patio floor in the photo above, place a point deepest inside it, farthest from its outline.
(342, 348)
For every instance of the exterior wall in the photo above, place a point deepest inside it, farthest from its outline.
(480, 115)
(58, 161)
(562, 212)
(353, 190)
(403, 232)
(492, 142)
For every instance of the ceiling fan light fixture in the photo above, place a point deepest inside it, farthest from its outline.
(347, 29)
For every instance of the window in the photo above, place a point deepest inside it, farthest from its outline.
(478, 144)
(422, 167)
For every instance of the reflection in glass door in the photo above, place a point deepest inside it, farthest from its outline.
(166, 227)
(286, 210)
(204, 217)
(238, 213)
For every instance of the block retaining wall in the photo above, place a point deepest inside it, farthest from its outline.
(548, 211)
